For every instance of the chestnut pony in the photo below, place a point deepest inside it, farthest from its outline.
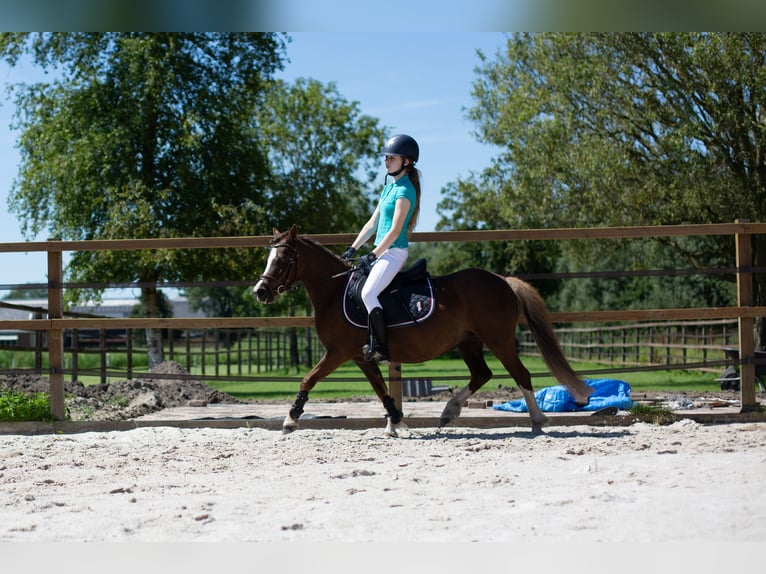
(473, 308)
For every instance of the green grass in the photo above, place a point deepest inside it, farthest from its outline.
(348, 380)
(657, 415)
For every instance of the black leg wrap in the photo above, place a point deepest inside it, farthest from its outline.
(300, 399)
(393, 412)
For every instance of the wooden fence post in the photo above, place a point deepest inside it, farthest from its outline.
(746, 335)
(56, 336)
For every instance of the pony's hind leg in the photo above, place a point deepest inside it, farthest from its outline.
(472, 353)
(520, 374)
(539, 420)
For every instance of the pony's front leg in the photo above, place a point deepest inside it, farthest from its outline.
(395, 427)
(326, 365)
(290, 423)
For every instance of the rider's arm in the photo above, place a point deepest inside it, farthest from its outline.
(367, 230)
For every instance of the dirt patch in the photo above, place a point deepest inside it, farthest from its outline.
(126, 399)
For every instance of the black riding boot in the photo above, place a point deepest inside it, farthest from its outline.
(377, 350)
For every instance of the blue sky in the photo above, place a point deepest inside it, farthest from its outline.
(416, 83)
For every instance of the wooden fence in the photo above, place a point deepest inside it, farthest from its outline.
(55, 325)
(214, 353)
(255, 354)
(674, 344)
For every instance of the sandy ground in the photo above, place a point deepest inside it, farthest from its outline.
(684, 482)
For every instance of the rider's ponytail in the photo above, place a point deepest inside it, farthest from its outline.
(414, 175)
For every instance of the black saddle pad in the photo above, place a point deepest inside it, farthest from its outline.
(409, 299)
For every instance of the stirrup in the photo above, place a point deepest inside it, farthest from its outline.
(376, 355)
(381, 359)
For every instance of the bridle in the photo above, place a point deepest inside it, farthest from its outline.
(287, 268)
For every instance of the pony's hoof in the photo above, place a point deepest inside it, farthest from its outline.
(450, 413)
(289, 425)
(584, 399)
(537, 425)
(398, 430)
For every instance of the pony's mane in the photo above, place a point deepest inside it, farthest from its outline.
(319, 245)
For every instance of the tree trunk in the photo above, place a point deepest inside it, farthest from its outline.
(151, 305)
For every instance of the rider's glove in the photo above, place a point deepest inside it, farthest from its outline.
(348, 254)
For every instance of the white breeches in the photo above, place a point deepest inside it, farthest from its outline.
(382, 272)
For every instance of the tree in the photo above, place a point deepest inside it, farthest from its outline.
(228, 301)
(145, 135)
(627, 129)
(324, 156)
(474, 206)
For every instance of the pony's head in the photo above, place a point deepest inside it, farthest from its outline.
(281, 266)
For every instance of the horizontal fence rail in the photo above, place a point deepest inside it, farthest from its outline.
(56, 324)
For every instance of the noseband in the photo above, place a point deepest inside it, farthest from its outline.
(287, 268)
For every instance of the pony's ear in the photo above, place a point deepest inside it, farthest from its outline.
(293, 231)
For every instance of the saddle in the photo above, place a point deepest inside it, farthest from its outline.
(408, 300)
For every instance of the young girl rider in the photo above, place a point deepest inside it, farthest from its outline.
(392, 221)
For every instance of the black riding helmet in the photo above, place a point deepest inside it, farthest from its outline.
(402, 144)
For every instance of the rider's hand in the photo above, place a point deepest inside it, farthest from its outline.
(348, 254)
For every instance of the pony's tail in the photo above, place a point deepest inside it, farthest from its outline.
(537, 319)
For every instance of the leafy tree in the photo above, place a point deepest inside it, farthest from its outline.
(324, 156)
(625, 129)
(644, 289)
(145, 135)
(473, 206)
(223, 301)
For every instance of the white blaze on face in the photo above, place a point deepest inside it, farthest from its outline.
(269, 263)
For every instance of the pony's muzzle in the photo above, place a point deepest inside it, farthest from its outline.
(262, 292)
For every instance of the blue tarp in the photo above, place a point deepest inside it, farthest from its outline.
(607, 393)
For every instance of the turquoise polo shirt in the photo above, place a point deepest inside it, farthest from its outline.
(387, 204)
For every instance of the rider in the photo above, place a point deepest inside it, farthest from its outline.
(392, 221)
